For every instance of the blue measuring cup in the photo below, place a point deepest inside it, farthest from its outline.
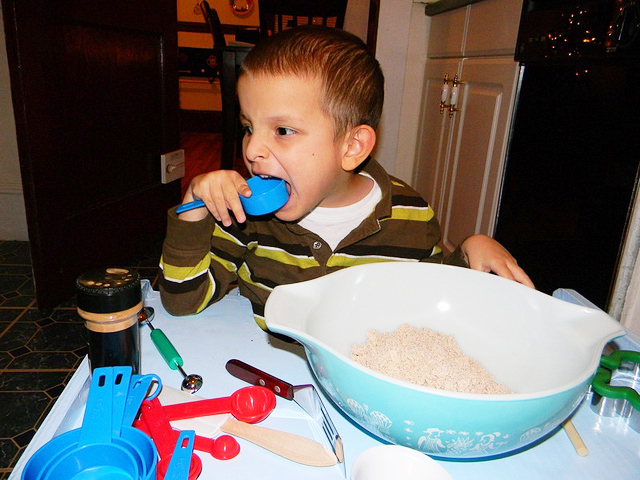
(127, 392)
(94, 455)
(267, 196)
(37, 465)
(180, 462)
(144, 450)
(146, 455)
(140, 390)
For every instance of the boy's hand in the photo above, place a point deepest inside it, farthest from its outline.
(487, 255)
(219, 191)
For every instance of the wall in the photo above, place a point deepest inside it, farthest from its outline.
(13, 219)
(402, 51)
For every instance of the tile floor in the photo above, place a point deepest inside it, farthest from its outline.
(39, 349)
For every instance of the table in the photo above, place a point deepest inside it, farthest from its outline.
(227, 330)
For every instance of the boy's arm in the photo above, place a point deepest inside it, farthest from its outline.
(186, 284)
(478, 252)
(192, 277)
(487, 255)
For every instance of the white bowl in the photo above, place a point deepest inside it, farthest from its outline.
(393, 462)
(543, 349)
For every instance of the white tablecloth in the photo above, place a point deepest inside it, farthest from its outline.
(226, 330)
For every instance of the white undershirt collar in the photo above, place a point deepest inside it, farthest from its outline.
(334, 224)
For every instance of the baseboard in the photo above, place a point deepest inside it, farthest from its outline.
(12, 212)
(200, 121)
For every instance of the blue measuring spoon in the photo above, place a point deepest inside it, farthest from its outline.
(267, 196)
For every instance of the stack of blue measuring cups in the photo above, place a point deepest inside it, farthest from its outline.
(106, 445)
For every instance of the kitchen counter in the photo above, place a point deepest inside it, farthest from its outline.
(226, 330)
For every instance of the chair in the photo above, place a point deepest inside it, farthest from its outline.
(278, 15)
(228, 58)
(213, 21)
(215, 27)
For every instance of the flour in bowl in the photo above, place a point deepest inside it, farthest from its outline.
(427, 358)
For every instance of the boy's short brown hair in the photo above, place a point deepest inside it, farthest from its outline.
(351, 76)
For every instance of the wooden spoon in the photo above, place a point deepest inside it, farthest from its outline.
(288, 445)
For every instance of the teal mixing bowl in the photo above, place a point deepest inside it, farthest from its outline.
(543, 349)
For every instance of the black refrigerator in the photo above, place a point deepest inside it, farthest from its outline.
(574, 150)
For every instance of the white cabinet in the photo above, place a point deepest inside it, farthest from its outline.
(461, 157)
(435, 139)
(493, 27)
(447, 34)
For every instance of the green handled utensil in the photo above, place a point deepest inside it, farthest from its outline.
(191, 383)
(601, 381)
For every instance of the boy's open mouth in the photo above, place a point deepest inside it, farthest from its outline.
(267, 177)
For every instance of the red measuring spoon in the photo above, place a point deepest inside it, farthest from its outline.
(223, 447)
(249, 404)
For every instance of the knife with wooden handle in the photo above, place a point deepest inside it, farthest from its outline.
(254, 376)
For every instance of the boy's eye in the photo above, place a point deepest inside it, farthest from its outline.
(285, 131)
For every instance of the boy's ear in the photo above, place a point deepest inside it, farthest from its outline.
(359, 144)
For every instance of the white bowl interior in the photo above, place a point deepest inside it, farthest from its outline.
(529, 341)
(386, 462)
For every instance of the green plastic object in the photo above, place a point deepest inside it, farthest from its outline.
(166, 349)
(601, 381)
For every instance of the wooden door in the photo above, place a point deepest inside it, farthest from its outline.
(95, 96)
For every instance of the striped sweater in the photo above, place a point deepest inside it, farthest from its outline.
(265, 252)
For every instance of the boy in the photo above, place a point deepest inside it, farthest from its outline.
(310, 102)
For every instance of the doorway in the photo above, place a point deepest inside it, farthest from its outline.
(94, 90)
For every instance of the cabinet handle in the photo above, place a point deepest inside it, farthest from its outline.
(446, 91)
(450, 92)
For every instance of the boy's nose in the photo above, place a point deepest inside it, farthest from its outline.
(254, 148)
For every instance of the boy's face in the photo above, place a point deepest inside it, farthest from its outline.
(288, 135)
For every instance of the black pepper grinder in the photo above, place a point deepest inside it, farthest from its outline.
(109, 300)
